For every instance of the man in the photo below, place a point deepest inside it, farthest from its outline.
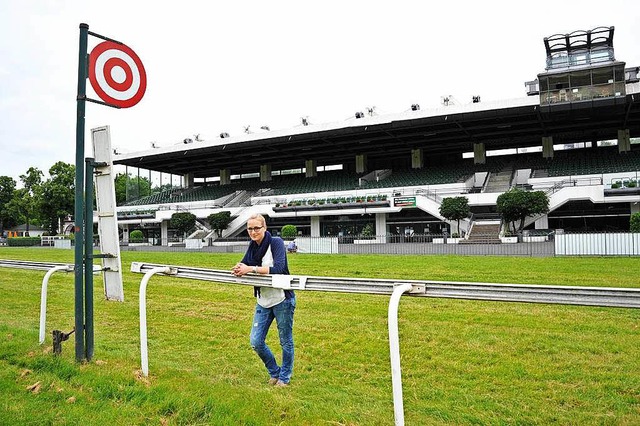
(267, 255)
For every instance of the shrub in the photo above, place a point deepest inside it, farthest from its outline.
(289, 231)
(136, 236)
(367, 231)
(634, 222)
(23, 241)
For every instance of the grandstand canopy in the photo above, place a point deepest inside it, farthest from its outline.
(449, 130)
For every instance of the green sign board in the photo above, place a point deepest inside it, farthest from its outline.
(404, 202)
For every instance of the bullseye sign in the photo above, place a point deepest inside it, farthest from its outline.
(117, 74)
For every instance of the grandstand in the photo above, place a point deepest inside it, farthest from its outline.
(570, 135)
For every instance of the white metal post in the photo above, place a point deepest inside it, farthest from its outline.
(43, 297)
(394, 351)
(144, 352)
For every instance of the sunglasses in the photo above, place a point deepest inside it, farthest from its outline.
(255, 229)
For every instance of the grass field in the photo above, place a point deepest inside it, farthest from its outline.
(463, 362)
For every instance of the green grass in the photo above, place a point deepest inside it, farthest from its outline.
(463, 362)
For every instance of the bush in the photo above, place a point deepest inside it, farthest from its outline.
(23, 241)
(289, 232)
(634, 222)
(136, 236)
(367, 231)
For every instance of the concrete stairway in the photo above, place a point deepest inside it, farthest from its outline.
(483, 234)
(500, 181)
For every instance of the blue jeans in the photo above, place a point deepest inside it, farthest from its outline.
(262, 319)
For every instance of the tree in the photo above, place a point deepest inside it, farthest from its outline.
(455, 208)
(56, 196)
(516, 205)
(634, 222)
(183, 221)
(24, 205)
(7, 188)
(219, 221)
(289, 231)
(130, 187)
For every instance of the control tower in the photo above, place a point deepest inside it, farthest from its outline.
(580, 67)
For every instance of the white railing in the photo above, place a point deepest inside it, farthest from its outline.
(589, 296)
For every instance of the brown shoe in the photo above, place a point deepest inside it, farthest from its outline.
(281, 384)
(273, 381)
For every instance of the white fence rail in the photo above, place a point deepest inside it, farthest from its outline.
(590, 296)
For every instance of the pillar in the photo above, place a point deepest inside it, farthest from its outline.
(361, 163)
(164, 233)
(315, 226)
(547, 146)
(311, 168)
(381, 227)
(125, 234)
(187, 180)
(417, 160)
(265, 172)
(624, 140)
(225, 176)
(479, 153)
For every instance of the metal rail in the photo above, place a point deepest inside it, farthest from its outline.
(589, 296)
(51, 268)
(531, 293)
(25, 264)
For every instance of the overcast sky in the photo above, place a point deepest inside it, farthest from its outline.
(217, 67)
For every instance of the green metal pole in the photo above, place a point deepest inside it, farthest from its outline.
(79, 206)
(88, 258)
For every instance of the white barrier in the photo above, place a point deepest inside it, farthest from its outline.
(589, 296)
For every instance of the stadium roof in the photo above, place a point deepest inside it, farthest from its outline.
(451, 129)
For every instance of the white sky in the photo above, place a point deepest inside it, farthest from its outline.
(219, 66)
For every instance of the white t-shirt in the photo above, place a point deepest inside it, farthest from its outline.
(269, 296)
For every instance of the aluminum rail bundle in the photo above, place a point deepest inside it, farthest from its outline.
(566, 295)
(37, 266)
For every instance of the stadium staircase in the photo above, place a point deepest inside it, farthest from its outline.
(485, 233)
(500, 181)
(201, 232)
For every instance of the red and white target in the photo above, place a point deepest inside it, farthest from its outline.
(117, 74)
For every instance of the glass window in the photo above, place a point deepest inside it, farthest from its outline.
(558, 82)
(581, 79)
(602, 75)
